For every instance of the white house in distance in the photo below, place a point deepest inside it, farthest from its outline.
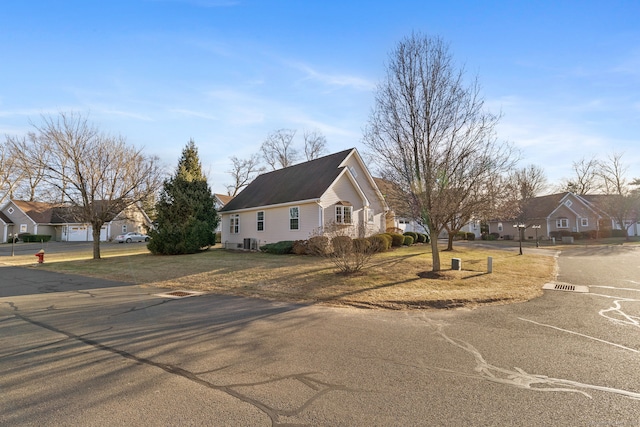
(299, 201)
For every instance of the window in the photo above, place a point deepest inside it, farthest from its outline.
(10, 210)
(584, 222)
(23, 228)
(499, 226)
(370, 216)
(124, 228)
(343, 214)
(294, 218)
(235, 224)
(568, 203)
(260, 220)
(562, 223)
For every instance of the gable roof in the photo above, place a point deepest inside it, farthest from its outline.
(5, 219)
(42, 213)
(56, 213)
(304, 181)
(223, 199)
(543, 206)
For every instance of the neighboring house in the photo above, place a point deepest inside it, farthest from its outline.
(556, 213)
(300, 201)
(399, 218)
(6, 227)
(57, 221)
(220, 201)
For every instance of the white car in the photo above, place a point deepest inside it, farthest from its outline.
(132, 237)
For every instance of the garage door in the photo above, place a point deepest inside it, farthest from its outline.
(77, 233)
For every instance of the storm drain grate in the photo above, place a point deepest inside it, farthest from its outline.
(565, 287)
(179, 294)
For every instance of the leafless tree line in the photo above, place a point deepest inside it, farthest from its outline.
(277, 151)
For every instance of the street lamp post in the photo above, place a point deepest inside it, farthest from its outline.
(520, 227)
(536, 227)
(13, 240)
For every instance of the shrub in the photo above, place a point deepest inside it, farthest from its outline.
(318, 246)
(218, 237)
(412, 234)
(279, 248)
(34, 238)
(378, 243)
(495, 236)
(470, 236)
(460, 235)
(408, 240)
(341, 245)
(426, 238)
(618, 233)
(300, 247)
(361, 244)
(397, 239)
(388, 240)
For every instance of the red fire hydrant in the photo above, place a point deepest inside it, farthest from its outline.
(40, 256)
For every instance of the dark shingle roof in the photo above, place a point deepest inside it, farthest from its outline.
(304, 181)
(41, 213)
(541, 207)
(49, 213)
(5, 218)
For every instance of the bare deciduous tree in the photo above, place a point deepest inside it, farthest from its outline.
(278, 151)
(99, 175)
(429, 128)
(243, 171)
(32, 160)
(623, 201)
(10, 173)
(586, 178)
(315, 144)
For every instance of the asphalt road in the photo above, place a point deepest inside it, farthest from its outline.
(89, 352)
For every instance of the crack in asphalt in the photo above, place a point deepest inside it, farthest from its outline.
(517, 377)
(319, 387)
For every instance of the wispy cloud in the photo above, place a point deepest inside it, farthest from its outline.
(336, 80)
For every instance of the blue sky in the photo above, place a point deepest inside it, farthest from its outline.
(564, 74)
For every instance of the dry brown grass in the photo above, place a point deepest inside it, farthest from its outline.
(396, 279)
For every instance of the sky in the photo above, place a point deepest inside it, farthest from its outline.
(564, 75)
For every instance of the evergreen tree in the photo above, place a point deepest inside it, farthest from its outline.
(186, 216)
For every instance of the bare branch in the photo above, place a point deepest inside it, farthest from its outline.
(315, 144)
(243, 171)
(429, 130)
(278, 151)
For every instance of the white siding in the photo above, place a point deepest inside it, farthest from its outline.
(276, 225)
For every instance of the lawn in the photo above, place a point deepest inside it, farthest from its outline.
(397, 279)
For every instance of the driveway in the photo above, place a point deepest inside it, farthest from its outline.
(79, 351)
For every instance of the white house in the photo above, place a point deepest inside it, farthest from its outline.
(299, 201)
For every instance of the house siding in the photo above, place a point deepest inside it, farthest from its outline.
(316, 212)
(19, 218)
(276, 225)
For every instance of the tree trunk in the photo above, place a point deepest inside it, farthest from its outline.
(450, 241)
(435, 255)
(96, 240)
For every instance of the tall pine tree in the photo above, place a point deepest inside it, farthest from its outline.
(186, 217)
